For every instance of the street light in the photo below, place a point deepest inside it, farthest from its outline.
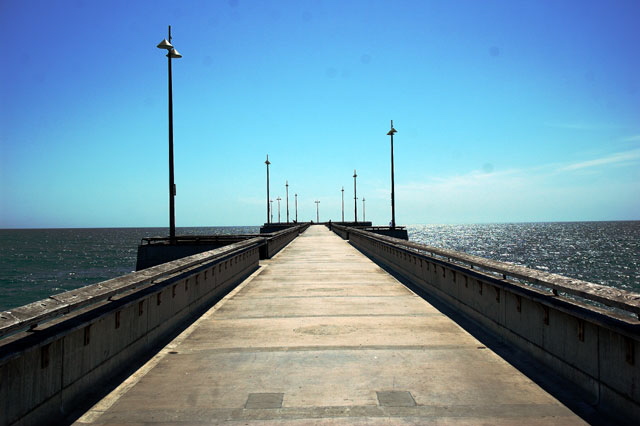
(287, 185)
(171, 54)
(268, 208)
(278, 207)
(393, 193)
(296, 197)
(271, 210)
(364, 219)
(343, 204)
(317, 211)
(355, 198)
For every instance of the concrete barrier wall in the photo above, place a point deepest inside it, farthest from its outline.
(342, 231)
(279, 240)
(45, 372)
(594, 348)
(156, 251)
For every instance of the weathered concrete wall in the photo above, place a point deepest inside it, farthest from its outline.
(270, 228)
(342, 231)
(398, 232)
(155, 254)
(46, 371)
(156, 251)
(354, 224)
(594, 348)
(277, 241)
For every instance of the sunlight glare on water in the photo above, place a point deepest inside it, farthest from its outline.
(605, 253)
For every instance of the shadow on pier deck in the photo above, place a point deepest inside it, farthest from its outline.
(320, 334)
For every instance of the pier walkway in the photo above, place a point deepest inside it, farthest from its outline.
(322, 335)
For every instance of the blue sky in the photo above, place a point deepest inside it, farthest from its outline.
(506, 111)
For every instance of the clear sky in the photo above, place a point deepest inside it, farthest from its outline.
(506, 111)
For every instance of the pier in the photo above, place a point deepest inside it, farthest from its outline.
(334, 326)
(321, 332)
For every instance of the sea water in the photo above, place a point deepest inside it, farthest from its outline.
(36, 263)
(606, 253)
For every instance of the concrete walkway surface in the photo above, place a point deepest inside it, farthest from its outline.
(322, 335)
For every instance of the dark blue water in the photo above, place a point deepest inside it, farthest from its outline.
(606, 253)
(36, 263)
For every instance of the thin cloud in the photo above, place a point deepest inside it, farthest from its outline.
(519, 176)
(544, 192)
(511, 181)
(471, 184)
(617, 158)
(581, 126)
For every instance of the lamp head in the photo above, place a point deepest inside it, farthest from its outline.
(164, 44)
(392, 132)
(173, 53)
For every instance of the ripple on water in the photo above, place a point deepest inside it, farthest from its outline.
(601, 252)
(36, 263)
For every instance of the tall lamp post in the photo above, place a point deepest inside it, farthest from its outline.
(268, 199)
(364, 219)
(271, 210)
(317, 211)
(343, 204)
(287, 185)
(296, 197)
(171, 54)
(278, 207)
(393, 192)
(355, 198)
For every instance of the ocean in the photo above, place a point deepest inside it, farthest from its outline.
(606, 253)
(36, 263)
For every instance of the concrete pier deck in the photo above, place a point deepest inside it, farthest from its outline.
(322, 335)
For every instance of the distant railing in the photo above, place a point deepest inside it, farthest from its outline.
(33, 314)
(554, 283)
(379, 228)
(198, 239)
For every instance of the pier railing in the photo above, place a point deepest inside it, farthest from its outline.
(36, 313)
(556, 285)
(58, 350)
(157, 250)
(560, 321)
(31, 315)
(278, 240)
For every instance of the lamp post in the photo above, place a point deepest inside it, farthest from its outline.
(268, 208)
(343, 204)
(171, 54)
(271, 210)
(296, 197)
(287, 185)
(355, 198)
(393, 192)
(317, 211)
(278, 207)
(364, 219)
